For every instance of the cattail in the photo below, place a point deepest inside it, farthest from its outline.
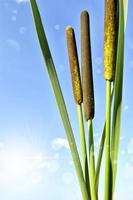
(87, 77)
(74, 65)
(110, 39)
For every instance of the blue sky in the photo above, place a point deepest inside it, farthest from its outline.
(35, 161)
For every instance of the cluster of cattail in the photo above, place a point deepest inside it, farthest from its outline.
(84, 93)
(83, 90)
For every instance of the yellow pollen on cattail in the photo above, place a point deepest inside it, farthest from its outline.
(110, 39)
(74, 65)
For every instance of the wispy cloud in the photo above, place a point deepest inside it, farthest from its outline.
(25, 168)
(126, 107)
(60, 143)
(22, 30)
(22, 1)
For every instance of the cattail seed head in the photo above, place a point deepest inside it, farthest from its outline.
(110, 39)
(74, 65)
(87, 76)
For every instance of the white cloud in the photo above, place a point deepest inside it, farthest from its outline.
(50, 165)
(60, 143)
(130, 146)
(25, 167)
(18, 168)
(126, 107)
(22, 1)
(22, 30)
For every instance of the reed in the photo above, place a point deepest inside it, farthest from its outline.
(110, 49)
(88, 91)
(74, 65)
(118, 90)
(78, 96)
(83, 92)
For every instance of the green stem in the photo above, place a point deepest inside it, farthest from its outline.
(83, 147)
(101, 148)
(107, 140)
(99, 160)
(92, 160)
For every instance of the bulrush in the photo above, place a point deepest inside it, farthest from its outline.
(74, 65)
(88, 92)
(110, 51)
(87, 78)
(110, 39)
(88, 175)
(77, 90)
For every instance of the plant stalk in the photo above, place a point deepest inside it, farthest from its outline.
(91, 160)
(83, 147)
(107, 140)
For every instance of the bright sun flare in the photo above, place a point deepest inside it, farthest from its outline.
(20, 167)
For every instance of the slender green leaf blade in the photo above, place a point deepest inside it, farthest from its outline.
(118, 89)
(100, 152)
(58, 95)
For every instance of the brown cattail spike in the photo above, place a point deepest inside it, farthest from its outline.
(110, 39)
(87, 77)
(74, 65)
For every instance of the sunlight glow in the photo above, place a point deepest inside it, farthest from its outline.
(17, 168)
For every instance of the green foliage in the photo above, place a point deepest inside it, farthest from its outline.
(114, 102)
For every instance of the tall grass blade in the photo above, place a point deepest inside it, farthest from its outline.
(84, 149)
(118, 87)
(99, 160)
(58, 95)
(92, 161)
